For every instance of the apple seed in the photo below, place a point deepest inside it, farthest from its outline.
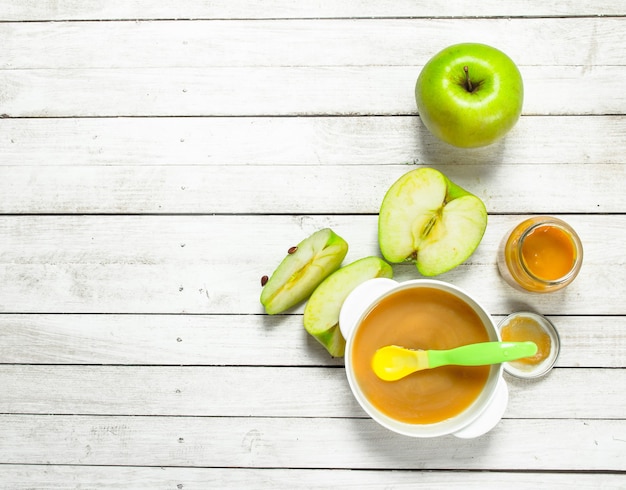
(292, 250)
(264, 280)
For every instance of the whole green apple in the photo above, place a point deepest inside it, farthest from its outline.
(469, 94)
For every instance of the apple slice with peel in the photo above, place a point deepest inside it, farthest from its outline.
(426, 218)
(321, 313)
(302, 270)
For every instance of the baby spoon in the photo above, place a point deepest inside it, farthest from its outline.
(392, 363)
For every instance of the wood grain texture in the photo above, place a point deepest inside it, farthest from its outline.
(204, 264)
(55, 477)
(269, 392)
(588, 43)
(297, 189)
(321, 140)
(190, 340)
(253, 442)
(281, 91)
(271, 9)
(157, 158)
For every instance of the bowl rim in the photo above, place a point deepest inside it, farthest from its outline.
(447, 426)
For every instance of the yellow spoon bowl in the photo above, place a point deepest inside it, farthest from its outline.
(392, 362)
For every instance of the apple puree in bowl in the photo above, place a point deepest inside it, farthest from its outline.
(420, 318)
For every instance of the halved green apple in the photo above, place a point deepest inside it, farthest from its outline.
(302, 270)
(426, 218)
(321, 313)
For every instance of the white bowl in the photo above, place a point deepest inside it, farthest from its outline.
(477, 419)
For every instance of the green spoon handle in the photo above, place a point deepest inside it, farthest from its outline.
(481, 354)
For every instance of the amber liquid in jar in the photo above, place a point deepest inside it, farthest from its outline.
(523, 328)
(541, 254)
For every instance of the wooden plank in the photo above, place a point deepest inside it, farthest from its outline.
(588, 445)
(227, 396)
(241, 9)
(586, 341)
(581, 42)
(300, 189)
(297, 141)
(168, 340)
(281, 91)
(53, 477)
(205, 264)
(217, 391)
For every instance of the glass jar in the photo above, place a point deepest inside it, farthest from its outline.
(541, 254)
(528, 325)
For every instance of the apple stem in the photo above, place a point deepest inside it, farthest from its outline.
(468, 82)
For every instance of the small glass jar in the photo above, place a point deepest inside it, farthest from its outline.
(541, 254)
(529, 326)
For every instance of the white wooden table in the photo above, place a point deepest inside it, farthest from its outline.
(156, 159)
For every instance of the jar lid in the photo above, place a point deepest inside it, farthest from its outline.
(526, 325)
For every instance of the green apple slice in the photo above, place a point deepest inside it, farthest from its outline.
(302, 271)
(321, 313)
(426, 218)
